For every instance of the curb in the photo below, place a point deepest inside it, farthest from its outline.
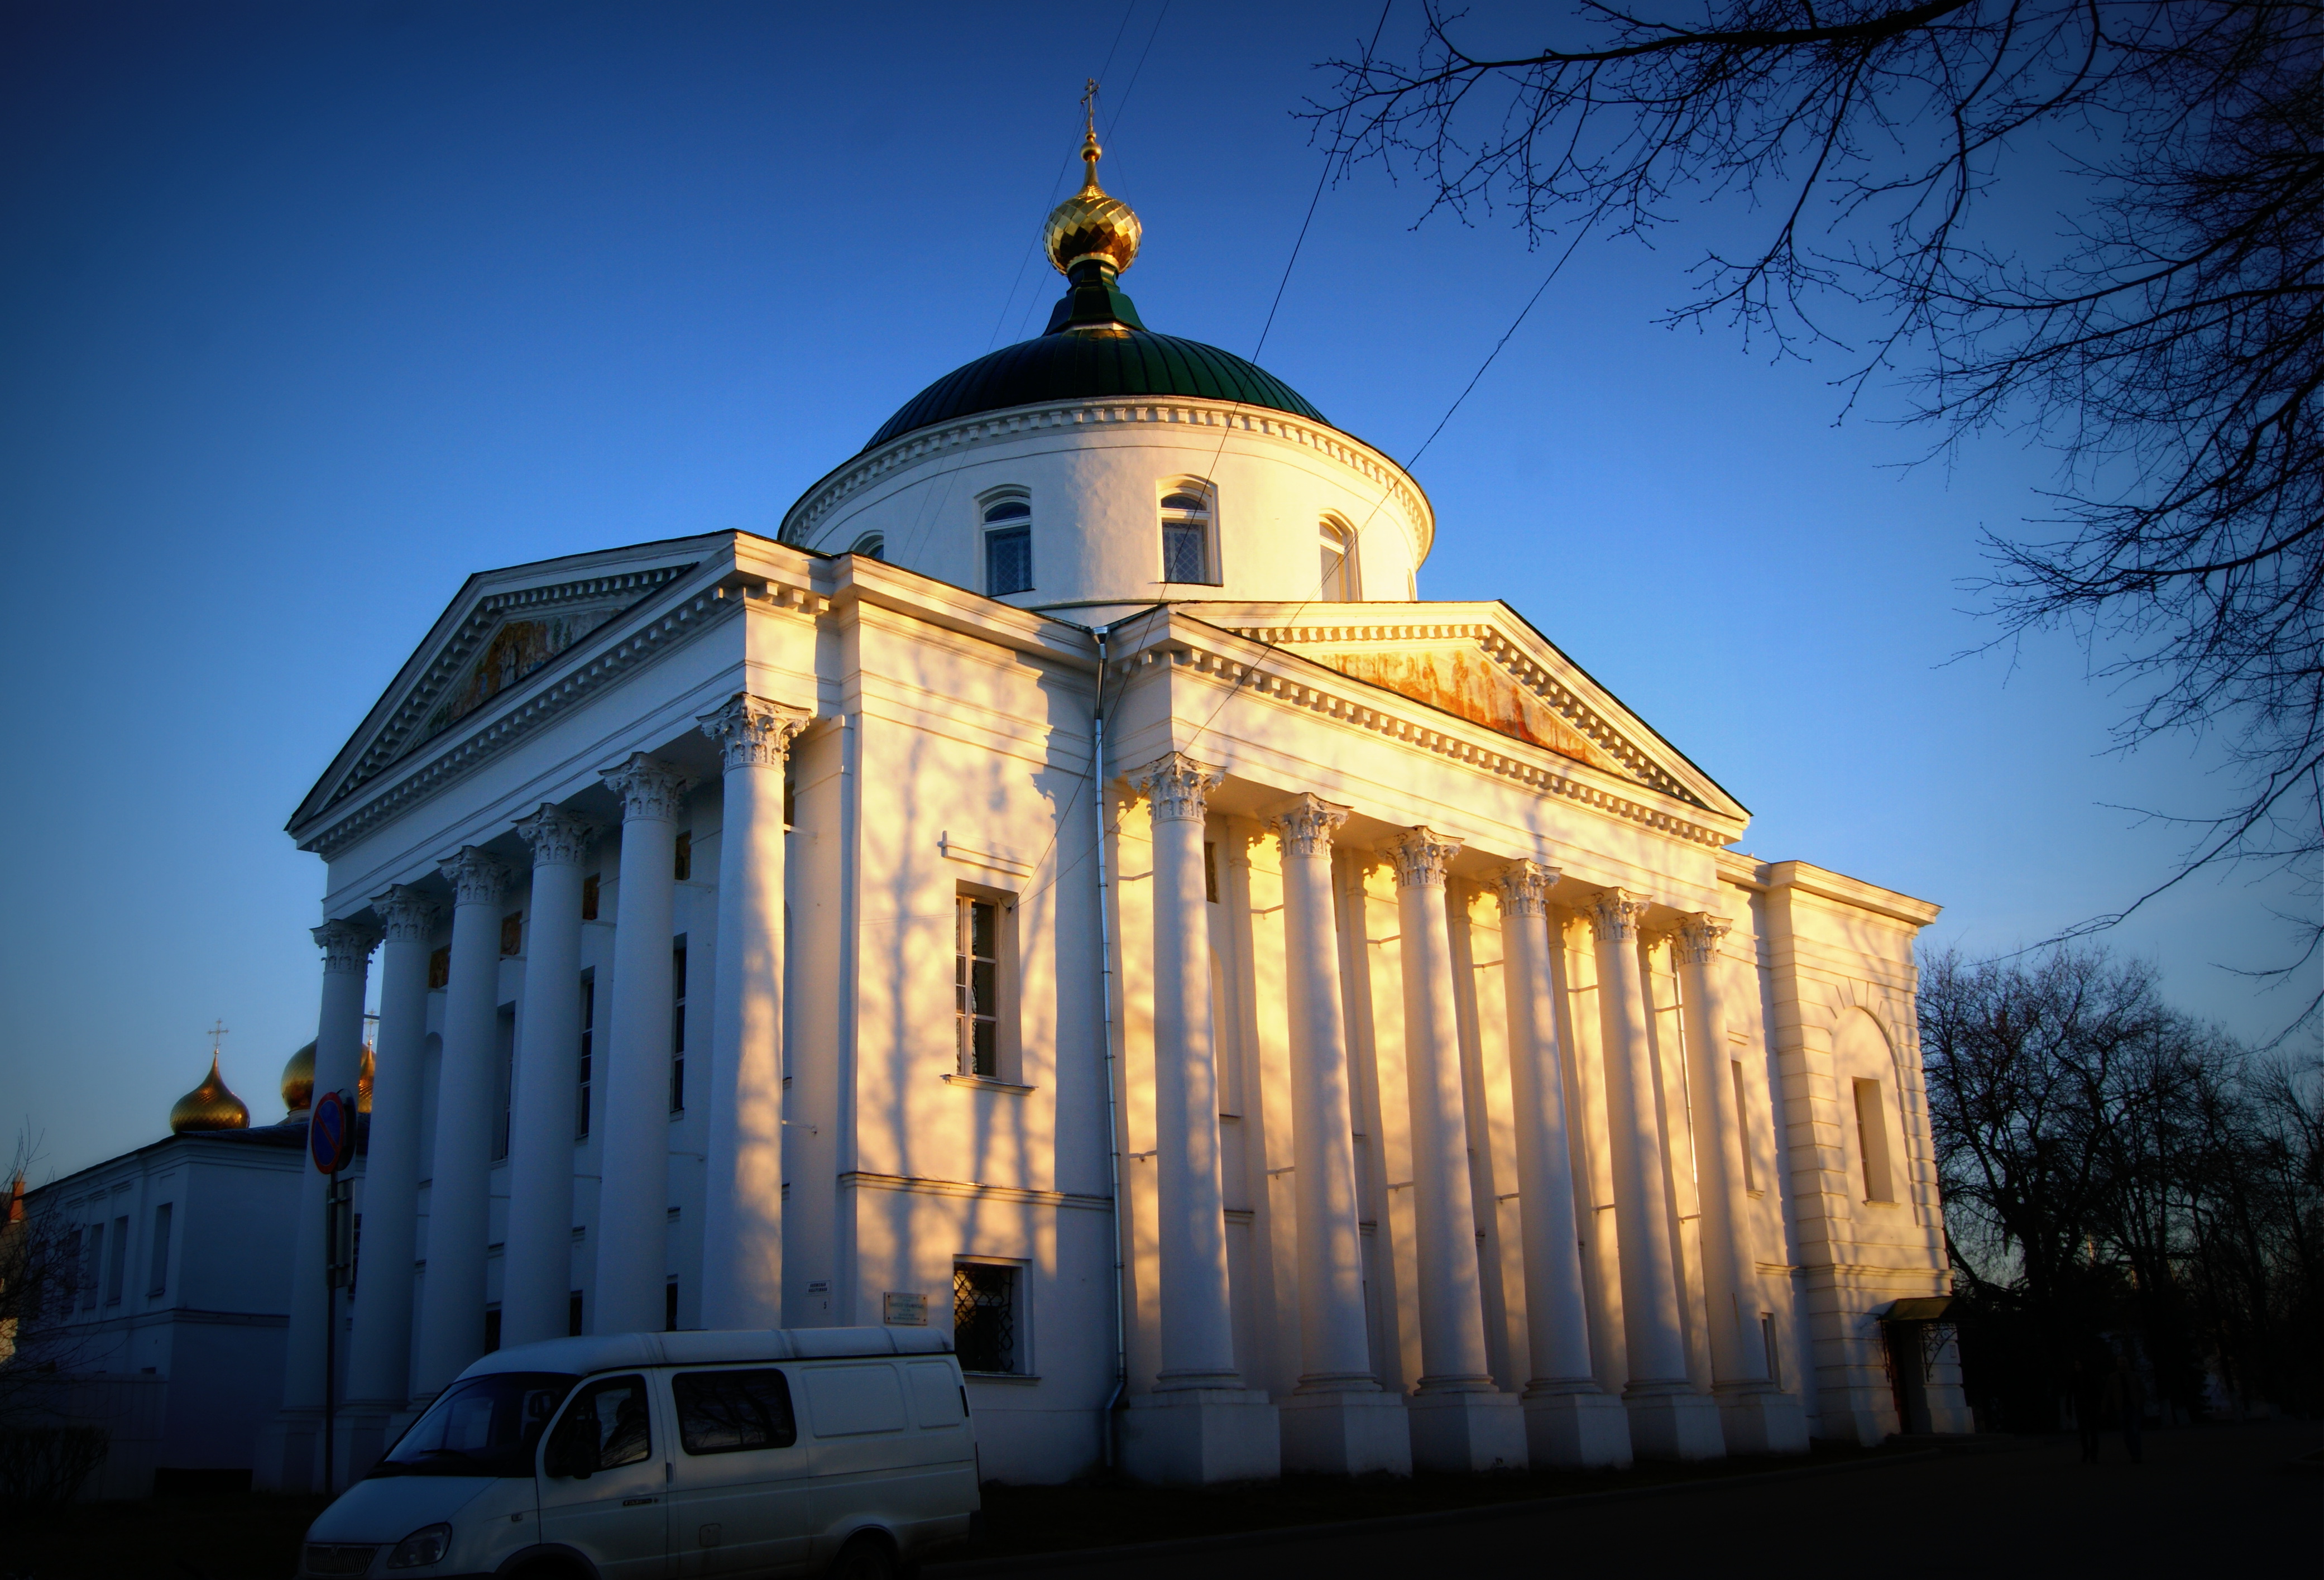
(962, 1569)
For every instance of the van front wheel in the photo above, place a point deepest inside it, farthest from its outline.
(867, 1556)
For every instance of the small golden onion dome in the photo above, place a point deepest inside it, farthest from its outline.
(1090, 225)
(298, 1080)
(209, 1106)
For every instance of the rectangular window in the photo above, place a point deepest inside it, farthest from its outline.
(439, 969)
(505, 1081)
(1181, 553)
(572, 1315)
(81, 1264)
(1210, 871)
(684, 863)
(669, 1306)
(589, 898)
(677, 1027)
(1872, 1142)
(492, 1328)
(512, 933)
(1008, 560)
(984, 1317)
(588, 1047)
(117, 1267)
(976, 985)
(727, 1412)
(157, 1283)
(1743, 1125)
(1775, 1351)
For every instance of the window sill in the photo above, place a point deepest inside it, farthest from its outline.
(1028, 1377)
(988, 1083)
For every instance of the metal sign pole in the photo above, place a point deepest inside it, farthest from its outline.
(330, 1330)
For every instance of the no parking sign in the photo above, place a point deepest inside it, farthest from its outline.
(331, 1134)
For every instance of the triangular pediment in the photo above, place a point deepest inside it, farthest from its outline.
(1482, 663)
(503, 628)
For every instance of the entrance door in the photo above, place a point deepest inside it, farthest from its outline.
(618, 1513)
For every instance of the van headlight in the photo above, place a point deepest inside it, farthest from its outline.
(427, 1545)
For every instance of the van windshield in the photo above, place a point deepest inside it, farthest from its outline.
(485, 1426)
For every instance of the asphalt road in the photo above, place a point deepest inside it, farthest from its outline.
(2210, 1501)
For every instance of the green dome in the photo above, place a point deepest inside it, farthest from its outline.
(1095, 350)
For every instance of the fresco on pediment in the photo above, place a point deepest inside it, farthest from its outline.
(1465, 683)
(516, 650)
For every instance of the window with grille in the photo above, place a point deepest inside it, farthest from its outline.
(1008, 548)
(984, 1318)
(589, 1052)
(1185, 538)
(158, 1282)
(976, 984)
(1339, 552)
(677, 1027)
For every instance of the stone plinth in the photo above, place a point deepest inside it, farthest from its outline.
(1346, 1434)
(1197, 1437)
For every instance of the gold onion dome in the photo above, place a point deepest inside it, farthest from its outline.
(299, 1081)
(1091, 227)
(209, 1106)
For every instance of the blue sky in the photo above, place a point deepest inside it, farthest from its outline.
(308, 311)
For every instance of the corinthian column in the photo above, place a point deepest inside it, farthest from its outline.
(743, 1209)
(1569, 1420)
(634, 1201)
(338, 1060)
(379, 1370)
(1460, 1420)
(1668, 1419)
(1200, 1425)
(459, 1201)
(1757, 1417)
(537, 1260)
(1338, 1421)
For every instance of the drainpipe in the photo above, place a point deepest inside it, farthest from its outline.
(1107, 1446)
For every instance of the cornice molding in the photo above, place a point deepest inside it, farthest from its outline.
(529, 709)
(1485, 749)
(1423, 857)
(805, 518)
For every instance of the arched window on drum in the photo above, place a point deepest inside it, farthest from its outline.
(1337, 544)
(1189, 554)
(1008, 545)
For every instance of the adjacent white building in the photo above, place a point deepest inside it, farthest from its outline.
(1064, 886)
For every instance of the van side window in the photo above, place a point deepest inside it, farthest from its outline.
(723, 1412)
(616, 1413)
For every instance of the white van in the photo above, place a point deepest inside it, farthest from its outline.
(669, 1456)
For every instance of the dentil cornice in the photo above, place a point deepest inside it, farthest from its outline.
(1614, 915)
(1179, 787)
(1523, 887)
(650, 790)
(476, 879)
(754, 733)
(559, 838)
(1422, 858)
(406, 915)
(1305, 825)
(346, 948)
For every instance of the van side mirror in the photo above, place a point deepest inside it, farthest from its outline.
(572, 1449)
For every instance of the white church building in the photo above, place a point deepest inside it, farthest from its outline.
(1064, 886)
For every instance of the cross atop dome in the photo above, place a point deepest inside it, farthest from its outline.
(1091, 227)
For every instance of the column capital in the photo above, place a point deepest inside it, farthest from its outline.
(1523, 887)
(1422, 857)
(558, 838)
(1696, 942)
(1304, 825)
(346, 948)
(754, 733)
(1615, 914)
(1178, 787)
(406, 915)
(650, 790)
(476, 879)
